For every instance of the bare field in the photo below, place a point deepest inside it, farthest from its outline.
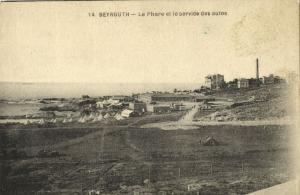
(126, 159)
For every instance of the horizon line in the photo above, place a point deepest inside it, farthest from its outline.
(58, 82)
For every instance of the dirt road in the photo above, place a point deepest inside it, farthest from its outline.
(188, 118)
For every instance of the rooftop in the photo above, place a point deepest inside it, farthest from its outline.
(167, 95)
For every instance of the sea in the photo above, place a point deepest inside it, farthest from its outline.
(15, 93)
(19, 91)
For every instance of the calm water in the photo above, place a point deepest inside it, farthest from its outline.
(18, 109)
(17, 91)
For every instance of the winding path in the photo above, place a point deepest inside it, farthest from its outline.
(188, 118)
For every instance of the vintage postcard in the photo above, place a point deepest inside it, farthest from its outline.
(149, 97)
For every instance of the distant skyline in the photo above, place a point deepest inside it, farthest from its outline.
(60, 43)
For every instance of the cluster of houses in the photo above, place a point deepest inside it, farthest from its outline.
(142, 103)
(154, 102)
(121, 106)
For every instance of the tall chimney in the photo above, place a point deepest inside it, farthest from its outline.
(257, 69)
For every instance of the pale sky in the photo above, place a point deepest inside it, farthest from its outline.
(58, 42)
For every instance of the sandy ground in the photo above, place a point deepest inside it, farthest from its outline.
(197, 124)
(186, 122)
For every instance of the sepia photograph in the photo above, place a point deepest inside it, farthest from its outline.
(149, 97)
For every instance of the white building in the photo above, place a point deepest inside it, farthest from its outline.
(127, 113)
(215, 81)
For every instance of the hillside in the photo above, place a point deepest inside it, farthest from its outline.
(264, 103)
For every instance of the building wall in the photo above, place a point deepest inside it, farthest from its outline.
(208, 82)
(215, 81)
(147, 97)
(268, 80)
(243, 83)
(171, 98)
(158, 108)
(127, 113)
(254, 82)
(219, 81)
(204, 99)
(139, 107)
